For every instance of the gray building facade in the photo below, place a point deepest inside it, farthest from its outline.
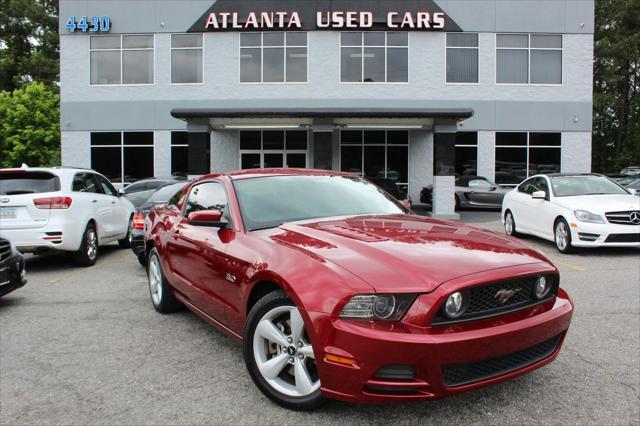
(411, 91)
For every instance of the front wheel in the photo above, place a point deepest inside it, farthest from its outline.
(510, 225)
(126, 241)
(562, 235)
(279, 355)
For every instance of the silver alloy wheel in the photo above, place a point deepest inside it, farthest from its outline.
(508, 224)
(155, 280)
(92, 244)
(562, 235)
(283, 354)
(129, 236)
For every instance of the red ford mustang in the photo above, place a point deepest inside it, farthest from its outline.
(337, 290)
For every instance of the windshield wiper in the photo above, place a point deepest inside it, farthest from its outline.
(266, 227)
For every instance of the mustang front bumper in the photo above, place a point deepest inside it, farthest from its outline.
(400, 362)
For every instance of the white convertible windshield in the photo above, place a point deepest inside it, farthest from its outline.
(566, 186)
(270, 201)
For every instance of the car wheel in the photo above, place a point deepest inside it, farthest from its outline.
(510, 225)
(142, 259)
(159, 288)
(562, 236)
(279, 355)
(88, 252)
(126, 241)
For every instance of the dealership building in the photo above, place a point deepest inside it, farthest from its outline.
(414, 91)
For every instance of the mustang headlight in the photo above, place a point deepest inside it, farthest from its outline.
(585, 216)
(389, 307)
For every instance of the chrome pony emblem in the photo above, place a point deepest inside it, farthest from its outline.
(504, 295)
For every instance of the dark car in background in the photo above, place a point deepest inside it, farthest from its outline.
(630, 182)
(140, 191)
(471, 192)
(157, 198)
(12, 272)
(390, 186)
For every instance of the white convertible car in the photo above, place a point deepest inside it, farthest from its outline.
(573, 210)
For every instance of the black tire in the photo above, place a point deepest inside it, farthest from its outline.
(510, 231)
(457, 207)
(126, 241)
(162, 299)
(142, 260)
(87, 254)
(261, 308)
(564, 246)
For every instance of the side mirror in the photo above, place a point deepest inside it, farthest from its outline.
(121, 192)
(406, 204)
(210, 218)
(539, 195)
(633, 191)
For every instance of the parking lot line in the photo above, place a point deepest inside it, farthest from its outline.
(568, 265)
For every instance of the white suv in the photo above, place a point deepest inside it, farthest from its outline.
(62, 209)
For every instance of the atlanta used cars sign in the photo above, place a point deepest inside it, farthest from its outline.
(308, 15)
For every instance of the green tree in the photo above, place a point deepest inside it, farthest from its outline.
(29, 43)
(30, 127)
(616, 101)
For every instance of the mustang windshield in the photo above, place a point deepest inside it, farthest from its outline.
(270, 201)
(566, 186)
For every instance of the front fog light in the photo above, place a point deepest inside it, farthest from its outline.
(542, 287)
(455, 305)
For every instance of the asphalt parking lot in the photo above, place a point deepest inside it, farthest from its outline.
(84, 346)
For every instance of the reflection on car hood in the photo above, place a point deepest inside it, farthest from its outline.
(405, 253)
(600, 204)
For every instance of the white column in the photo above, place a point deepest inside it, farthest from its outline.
(444, 204)
(576, 152)
(225, 151)
(162, 153)
(487, 154)
(420, 162)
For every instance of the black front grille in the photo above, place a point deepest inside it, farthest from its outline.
(5, 249)
(623, 238)
(462, 374)
(623, 218)
(498, 298)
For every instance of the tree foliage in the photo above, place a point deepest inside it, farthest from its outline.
(616, 101)
(29, 43)
(30, 127)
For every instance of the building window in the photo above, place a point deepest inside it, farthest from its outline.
(462, 58)
(467, 153)
(273, 149)
(520, 155)
(374, 57)
(528, 59)
(276, 57)
(186, 58)
(179, 154)
(121, 59)
(115, 152)
(376, 154)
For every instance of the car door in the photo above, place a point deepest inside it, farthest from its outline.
(520, 205)
(120, 212)
(545, 212)
(90, 193)
(479, 192)
(200, 260)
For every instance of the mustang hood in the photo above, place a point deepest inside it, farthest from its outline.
(405, 253)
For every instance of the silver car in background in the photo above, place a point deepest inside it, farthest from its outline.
(471, 192)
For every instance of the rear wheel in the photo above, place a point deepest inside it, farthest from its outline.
(510, 225)
(562, 236)
(88, 252)
(279, 355)
(159, 288)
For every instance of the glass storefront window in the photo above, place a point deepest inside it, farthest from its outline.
(521, 154)
(276, 57)
(179, 154)
(186, 58)
(122, 59)
(273, 149)
(466, 154)
(122, 156)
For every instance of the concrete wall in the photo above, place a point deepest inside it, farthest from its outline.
(225, 151)
(420, 162)
(576, 152)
